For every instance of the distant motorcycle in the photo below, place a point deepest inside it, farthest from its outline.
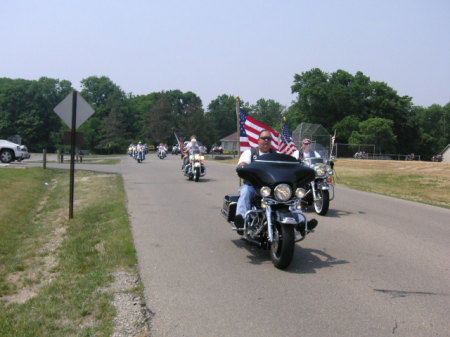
(321, 189)
(276, 220)
(175, 150)
(140, 156)
(162, 153)
(195, 167)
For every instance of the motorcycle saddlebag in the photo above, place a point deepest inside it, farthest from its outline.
(229, 207)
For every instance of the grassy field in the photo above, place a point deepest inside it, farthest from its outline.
(55, 273)
(425, 182)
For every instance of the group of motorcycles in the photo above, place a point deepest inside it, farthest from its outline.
(138, 152)
(285, 188)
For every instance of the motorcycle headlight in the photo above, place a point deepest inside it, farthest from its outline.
(330, 171)
(265, 191)
(300, 193)
(320, 171)
(283, 192)
(202, 157)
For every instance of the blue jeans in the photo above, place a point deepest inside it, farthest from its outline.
(246, 195)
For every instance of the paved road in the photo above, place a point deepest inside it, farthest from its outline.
(376, 266)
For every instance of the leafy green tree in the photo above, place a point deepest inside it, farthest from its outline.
(376, 131)
(434, 125)
(164, 112)
(268, 112)
(328, 98)
(345, 127)
(26, 109)
(313, 103)
(110, 104)
(221, 115)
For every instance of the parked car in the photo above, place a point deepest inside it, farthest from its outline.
(10, 151)
(217, 150)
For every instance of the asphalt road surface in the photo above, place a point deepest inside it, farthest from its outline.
(375, 266)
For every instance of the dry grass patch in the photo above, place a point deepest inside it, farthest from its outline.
(426, 182)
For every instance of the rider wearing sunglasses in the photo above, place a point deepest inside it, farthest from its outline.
(246, 191)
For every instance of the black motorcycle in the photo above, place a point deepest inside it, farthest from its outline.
(276, 220)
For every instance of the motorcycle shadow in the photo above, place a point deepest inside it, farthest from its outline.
(332, 213)
(308, 260)
(305, 260)
(203, 180)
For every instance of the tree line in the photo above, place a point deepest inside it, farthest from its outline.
(361, 111)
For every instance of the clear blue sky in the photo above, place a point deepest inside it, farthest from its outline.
(250, 48)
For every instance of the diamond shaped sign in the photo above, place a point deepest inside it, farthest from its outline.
(64, 110)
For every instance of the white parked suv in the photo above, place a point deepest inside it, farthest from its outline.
(10, 151)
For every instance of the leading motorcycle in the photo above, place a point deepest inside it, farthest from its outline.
(195, 166)
(139, 155)
(276, 220)
(320, 190)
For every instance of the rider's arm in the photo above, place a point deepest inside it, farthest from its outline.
(245, 158)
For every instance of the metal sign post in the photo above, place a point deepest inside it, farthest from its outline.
(67, 110)
(72, 153)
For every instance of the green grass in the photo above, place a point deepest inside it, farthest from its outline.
(68, 300)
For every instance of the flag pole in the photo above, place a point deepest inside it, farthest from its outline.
(238, 128)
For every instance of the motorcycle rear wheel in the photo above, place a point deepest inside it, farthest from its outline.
(282, 247)
(322, 204)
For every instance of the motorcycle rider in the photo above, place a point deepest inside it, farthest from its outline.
(188, 147)
(246, 191)
(140, 147)
(304, 148)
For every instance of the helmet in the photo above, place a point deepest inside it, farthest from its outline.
(140, 143)
(306, 141)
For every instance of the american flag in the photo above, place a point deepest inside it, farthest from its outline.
(180, 139)
(249, 132)
(287, 144)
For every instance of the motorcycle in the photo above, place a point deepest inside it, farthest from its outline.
(162, 153)
(139, 156)
(195, 166)
(321, 188)
(175, 150)
(276, 220)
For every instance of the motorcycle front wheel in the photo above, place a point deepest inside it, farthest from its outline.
(322, 203)
(282, 247)
(197, 173)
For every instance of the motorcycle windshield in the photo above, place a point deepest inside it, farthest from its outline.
(315, 153)
(275, 168)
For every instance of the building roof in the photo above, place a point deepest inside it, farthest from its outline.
(230, 138)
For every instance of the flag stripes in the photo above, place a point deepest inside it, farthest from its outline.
(249, 132)
(287, 144)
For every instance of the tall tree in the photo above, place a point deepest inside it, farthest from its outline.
(376, 131)
(328, 98)
(268, 112)
(104, 96)
(26, 109)
(221, 114)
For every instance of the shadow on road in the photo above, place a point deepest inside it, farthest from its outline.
(337, 213)
(202, 180)
(305, 260)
